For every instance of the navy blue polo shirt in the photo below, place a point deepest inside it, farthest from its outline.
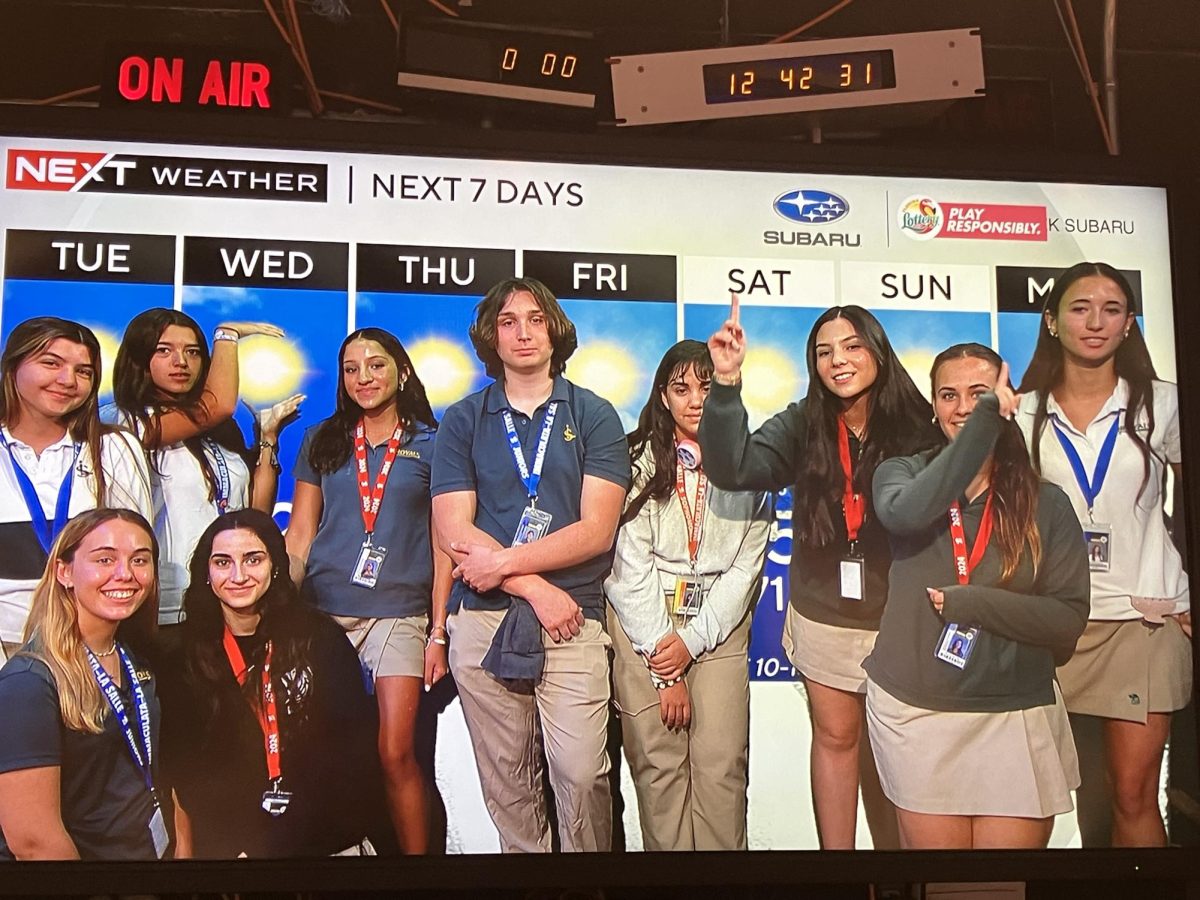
(106, 807)
(405, 583)
(473, 454)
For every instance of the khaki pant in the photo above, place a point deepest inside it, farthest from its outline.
(568, 709)
(691, 785)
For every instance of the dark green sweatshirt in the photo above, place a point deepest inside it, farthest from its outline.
(769, 460)
(1028, 626)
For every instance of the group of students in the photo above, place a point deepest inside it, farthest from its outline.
(969, 578)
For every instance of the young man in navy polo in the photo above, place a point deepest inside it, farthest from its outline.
(529, 477)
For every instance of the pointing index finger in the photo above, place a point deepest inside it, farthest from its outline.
(734, 308)
(1004, 374)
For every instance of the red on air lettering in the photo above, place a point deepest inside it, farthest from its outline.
(48, 170)
(247, 85)
(136, 78)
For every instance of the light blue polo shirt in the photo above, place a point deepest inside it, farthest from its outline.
(405, 583)
(473, 454)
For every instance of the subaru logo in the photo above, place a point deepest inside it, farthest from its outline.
(811, 207)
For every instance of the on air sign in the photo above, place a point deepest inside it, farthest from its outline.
(193, 79)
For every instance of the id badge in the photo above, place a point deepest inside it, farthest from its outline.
(368, 566)
(158, 831)
(276, 802)
(687, 598)
(956, 644)
(1098, 539)
(851, 570)
(533, 525)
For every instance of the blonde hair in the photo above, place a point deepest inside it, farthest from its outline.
(53, 625)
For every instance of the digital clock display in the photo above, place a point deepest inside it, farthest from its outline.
(799, 76)
(557, 61)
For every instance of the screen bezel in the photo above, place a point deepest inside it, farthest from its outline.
(703, 870)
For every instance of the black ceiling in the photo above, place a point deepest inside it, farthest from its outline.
(1036, 98)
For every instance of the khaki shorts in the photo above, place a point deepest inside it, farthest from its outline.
(828, 654)
(388, 647)
(1127, 669)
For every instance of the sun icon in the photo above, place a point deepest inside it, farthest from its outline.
(608, 369)
(444, 367)
(109, 345)
(916, 361)
(271, 369)
(770, 382)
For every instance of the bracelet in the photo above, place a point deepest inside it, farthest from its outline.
(440, 641)
(274, 448)
(728, 382)
(225, 334)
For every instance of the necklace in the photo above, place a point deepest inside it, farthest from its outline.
(109, 652)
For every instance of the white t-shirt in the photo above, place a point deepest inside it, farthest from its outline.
(1143, 560)
(182, 510)
(22, 560)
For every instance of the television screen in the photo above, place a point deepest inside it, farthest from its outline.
(321, 237)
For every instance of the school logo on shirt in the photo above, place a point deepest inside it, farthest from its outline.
(568, 434)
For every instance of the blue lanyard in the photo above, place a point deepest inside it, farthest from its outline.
(46, 533)
(109, 689)
(1090, 487)
(224, 485)
(531, 479)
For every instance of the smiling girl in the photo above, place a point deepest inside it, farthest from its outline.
(56, 459)
(79, 750)
(1102, 426)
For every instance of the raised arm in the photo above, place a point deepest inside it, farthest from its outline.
(218, 400)
(735, 459)
(908, 497)
(264, 478)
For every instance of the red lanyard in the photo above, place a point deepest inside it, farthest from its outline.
(854, 506)
(268, 719)
(693, 520)
(372, 498)
(958, 538)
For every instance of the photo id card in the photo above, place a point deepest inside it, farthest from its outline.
(368, 566)
(956, 643)
(1099, 546)
(687, 598)
(851, 571)
(533, 525)
(276, 802)
(158, 832)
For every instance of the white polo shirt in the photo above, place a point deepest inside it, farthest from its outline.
(1143, 561)
(182, 509)
(22, 559)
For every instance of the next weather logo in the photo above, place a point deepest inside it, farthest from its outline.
(923, 219)
(113, 173)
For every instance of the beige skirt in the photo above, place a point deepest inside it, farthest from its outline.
(828, 654)
(1020, 763)
(1124, 670)
(388, 647)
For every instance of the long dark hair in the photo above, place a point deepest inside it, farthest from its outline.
(334, 440)
(483, 332)
(1014, 482)
(1132, 362)
(143, 403)
(83, 424)
(656, 427)
(286, 621)
(899, 423)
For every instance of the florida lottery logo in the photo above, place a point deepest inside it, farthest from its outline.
(920, 218)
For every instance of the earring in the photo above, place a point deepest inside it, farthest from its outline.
(1053, 332)
(934, 419)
